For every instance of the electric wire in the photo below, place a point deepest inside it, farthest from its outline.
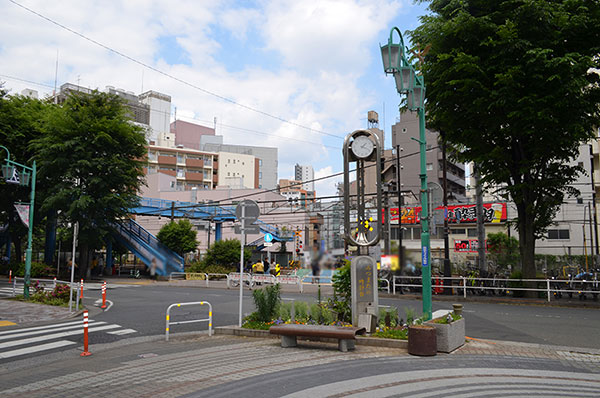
(170, 76)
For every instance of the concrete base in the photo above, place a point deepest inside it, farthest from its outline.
(288, 341)
(345, 345)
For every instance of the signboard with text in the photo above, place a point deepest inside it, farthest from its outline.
(467, 245)
(456, 214)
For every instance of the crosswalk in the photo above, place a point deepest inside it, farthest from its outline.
(20, 342)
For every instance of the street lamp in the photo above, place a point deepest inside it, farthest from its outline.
(413, 85)
(17, 173)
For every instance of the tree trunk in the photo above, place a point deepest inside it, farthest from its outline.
(84, 260)
(527, 247)
(50, 246)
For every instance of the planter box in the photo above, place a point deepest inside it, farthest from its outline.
(449, 336)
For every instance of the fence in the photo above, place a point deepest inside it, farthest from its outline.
(194, 276)
(209, 319)
(475, 284)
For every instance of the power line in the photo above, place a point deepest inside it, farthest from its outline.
(130, 58)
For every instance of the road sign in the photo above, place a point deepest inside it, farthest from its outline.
(251, 211)
(268, 237)
(248, 229)
(268, 244)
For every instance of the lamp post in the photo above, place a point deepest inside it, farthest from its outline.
(413, 85)
(17, 173)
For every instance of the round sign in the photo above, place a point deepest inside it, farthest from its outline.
(250, 209)
(268, 237)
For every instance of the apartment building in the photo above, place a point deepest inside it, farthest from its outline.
(191, 168)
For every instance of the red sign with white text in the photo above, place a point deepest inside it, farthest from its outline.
(456, 214)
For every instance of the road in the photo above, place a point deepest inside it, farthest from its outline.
(144, 309)
(139, 311)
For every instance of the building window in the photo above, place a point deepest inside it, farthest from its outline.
(579, 201)
(179, 158)
(152, 156)
(559, 234)
(229, 161)
(472, 232)
(457, 231)
(260, 164)
(429, 166)
(230, 176)
(259, 177)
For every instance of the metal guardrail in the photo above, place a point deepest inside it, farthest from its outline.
(192, 276)
(252, 279)
(209, 319)
(470, 283)
(387, 287)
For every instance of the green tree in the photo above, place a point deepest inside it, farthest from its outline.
(91, 159)
(226, 253)
(510, 85)
(503, 250)
(21, 121)
(179, 236)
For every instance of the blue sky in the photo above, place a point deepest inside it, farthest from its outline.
(314, 64)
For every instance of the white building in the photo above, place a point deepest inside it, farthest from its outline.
(238, 170)
(305, 173)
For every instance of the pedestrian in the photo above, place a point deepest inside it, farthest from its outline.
(267, 266)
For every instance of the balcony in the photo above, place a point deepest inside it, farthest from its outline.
(170, 160)
(194, 163)
(172, 173)
(194, 177)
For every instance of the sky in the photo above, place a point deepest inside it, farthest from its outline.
(295, 75)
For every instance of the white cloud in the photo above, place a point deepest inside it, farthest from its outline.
(327, 186)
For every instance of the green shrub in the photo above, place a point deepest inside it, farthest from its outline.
(320, 314)
(266, 301)
(210, 269)
(388, 317)
(284, 311)
(37, 270)
(342, 294)
(400, 333)
(301, 309)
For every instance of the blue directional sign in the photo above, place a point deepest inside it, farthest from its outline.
(425, 257)
(268, 237)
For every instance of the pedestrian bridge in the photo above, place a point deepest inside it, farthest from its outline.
(200, 211)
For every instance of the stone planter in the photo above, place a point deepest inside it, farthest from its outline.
(449, 336)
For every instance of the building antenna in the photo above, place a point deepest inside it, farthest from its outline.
(175, 115)
(56, 78)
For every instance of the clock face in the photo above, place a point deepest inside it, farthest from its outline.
(362, 146)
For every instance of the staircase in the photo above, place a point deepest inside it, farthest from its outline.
(160, 259)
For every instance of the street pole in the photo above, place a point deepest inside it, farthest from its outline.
(480, 225)
(425, 244)
(243, 243)
(75, 232)
(398, 180)
(29, 236)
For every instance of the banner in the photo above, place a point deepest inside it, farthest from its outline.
(467, 245)
(23, 211)
(456, 214)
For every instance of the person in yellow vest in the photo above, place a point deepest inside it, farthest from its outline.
(258, 268)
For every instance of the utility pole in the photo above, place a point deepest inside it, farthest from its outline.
(480, 225)
(447, 265)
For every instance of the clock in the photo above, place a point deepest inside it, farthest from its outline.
(362, 147)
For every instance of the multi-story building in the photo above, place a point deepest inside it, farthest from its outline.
(190, 167)
(306, 174)
(267, 158)
(159, 117)
(238, 170)
(294, 192)
(190, 135)
(405, 135)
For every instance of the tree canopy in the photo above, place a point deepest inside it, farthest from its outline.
(226, 253)
(179, 236)
(21, 121)
(510, 84)
(90, 157)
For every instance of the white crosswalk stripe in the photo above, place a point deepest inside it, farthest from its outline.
(20, 342)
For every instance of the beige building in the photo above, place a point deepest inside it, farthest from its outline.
(238, 170)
